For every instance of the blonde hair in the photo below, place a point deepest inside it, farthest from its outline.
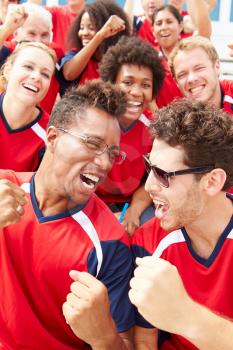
(20, 47)
(191, 43)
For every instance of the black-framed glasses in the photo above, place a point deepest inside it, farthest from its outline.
(163, 176)
(98, 146)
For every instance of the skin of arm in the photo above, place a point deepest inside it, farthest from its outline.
(145, 338)
(15, 18)
(153, 296)
(128, 8)
(87, 311)
(198, 11)
(73, 68)
(140, 201)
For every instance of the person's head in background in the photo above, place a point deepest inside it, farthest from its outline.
(195, 65)
(75, 6)
(91, 20)
(167, 26)
(37, 26)
(135, 66)
(177, 3)
(149, 6)
(4, 6)
(27, 73)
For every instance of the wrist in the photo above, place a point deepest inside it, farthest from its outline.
(99, 36)
(5, 31)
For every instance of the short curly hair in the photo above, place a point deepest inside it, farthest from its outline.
(132, 50)
(94, 94)
(99, 12)
(204, 132)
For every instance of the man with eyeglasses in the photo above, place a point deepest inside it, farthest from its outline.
(183, 281)
(54, 229)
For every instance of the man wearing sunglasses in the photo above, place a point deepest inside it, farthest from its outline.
(183, 282)
(52, 223)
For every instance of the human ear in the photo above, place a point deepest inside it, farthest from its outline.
(214, 181)
(52, 135)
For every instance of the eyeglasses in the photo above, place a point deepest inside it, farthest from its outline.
(98, 146)
(163, 177)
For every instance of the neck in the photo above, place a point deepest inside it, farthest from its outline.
(49, 190)
(17, 114)
(217, 96)
(207, 229)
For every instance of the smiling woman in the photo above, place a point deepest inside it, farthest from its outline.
(25, 77)
(135, 67)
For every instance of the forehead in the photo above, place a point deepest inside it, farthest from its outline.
(100, 124)
(85, 18)
(195, 55)
(36, 23)
(164, 14)
(135, 71)
(36, 55)
(166, 157)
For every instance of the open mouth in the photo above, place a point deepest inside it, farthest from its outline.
(196, 90)
(31, 87)
(134, 106)
(161, 209)
(89, 181)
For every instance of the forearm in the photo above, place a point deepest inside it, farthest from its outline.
(73, 68)
(207, 330)
(140, 200)
(117, 341)
(4, 33)
(198, 11)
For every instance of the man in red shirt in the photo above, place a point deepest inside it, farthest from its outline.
(195, 65)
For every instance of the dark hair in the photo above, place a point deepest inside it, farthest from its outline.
(204, 132)
(99, 13)
(132, 50)
(172, 9)
(94, 94)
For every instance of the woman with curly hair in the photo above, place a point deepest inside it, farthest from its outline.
(98, 26)
(135, 66)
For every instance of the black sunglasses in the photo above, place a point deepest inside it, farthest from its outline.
(163, 176)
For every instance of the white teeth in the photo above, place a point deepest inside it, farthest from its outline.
(91, 177)
(158, 202)
(31, 87)
(134, 103)
(196, 89)
(90, 185)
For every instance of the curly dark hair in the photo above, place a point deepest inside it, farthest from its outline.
(204, 132)
(132, 50)
(94, 94)
(99, 13)
(172, 9)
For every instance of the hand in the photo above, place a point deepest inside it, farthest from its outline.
(12, 200)
(159, 294)
(131, 220)
(15, 17)
(113, 25)
(87, 310)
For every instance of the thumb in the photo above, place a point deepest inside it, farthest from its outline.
(74, 275)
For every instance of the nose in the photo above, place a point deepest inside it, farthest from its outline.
(152, 184)
(103, 161)
(191, 76)
(136, 90)
(35, 74)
